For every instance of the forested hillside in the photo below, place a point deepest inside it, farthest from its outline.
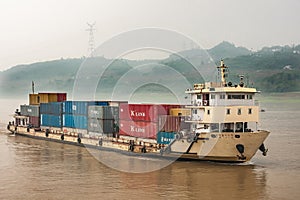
(272, 69)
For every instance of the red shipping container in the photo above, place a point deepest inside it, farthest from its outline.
(61, 97)
(138, 129)
(169, 123)
(34, 121)
(144, 112)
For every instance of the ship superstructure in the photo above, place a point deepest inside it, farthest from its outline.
(224, 117)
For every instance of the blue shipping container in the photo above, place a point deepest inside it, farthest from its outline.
(54, 108)
(165, 137)
(51, 120)
(80, 107)
(75, 121)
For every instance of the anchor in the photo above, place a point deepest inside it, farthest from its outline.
(263, 149)
(241, 150)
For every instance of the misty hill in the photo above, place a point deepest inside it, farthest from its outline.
(51, 75)
(227, 50)
(272, 69)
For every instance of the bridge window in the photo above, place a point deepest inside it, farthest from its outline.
(249, 96)
(239, 112)
(236, 96)
(222, 96)
(214, 127)
(250, 111)
(213, 96)
(239, 127)
(199, 96)
(227, 127)
(228, 111)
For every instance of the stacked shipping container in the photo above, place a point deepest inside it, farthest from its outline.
(103, 119)
(30, 110)
(75, 113)
(141, 129)
(33, 112)
(168, 123)
(70, 114)
(51, 120)
(143, 120)
(150, 121)
(51, 114)
(36, 99)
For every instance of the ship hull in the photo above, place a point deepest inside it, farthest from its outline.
(219, 147)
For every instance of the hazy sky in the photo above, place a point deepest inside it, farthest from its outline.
(39, 30)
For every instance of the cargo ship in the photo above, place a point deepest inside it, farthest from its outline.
(219, 124)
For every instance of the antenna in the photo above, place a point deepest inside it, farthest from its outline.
(91, 43)
(32, 86)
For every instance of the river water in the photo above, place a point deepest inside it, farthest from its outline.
(36, 169)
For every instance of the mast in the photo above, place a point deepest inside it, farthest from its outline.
(32, 87)
(223, 71)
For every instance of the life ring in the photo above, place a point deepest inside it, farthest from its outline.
(205, 102)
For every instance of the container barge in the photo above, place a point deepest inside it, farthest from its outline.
(219, 124)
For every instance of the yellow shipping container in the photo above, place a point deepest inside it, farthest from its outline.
(52, 97)
(44, 97)
(180, 112)
(34, 99)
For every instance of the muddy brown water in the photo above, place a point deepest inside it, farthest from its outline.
(37, 169)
